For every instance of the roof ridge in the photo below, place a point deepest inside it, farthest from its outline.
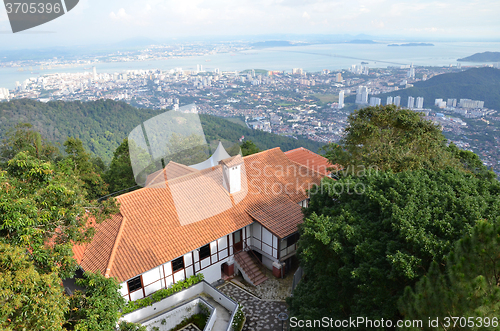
(311, 169)
(115, 245)
(262, 152)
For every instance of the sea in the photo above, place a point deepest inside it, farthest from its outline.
(311, 58)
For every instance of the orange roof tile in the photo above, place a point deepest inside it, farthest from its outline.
(311, 160)
(155, 223)
(281, 216)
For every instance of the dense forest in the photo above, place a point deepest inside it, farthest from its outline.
(102, 125)
(476, 84)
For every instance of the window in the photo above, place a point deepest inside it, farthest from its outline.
(178, 264)
(204, 252)
(134, 284)
(292, 239)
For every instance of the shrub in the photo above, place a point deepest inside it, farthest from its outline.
(162, 294)
(238, 320)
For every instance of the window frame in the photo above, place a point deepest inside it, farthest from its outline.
(175, 261)
(134, 280)
(207, 246)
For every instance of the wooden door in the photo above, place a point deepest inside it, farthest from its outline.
(237, 241)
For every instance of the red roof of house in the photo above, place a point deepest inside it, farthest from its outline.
(160, 223)
(311, 160)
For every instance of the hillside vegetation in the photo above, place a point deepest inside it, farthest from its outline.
(482, 57)
(102, 125)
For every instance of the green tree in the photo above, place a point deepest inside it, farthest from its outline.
(29, 300)
(43, 210)
(366, 238)
(98, 307)
(23, 138)
(390, 138)
(120, 174)
(187, 150)
(469, 288)
(86, 170)
(249, 148)
(471, 162)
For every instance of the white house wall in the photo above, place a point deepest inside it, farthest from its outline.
(162, 277)
(264, 241)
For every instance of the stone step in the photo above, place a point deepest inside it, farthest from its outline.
(250, 268)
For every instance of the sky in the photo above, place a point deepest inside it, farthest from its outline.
(105, 21)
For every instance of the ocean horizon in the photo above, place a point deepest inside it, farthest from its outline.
(311, 58)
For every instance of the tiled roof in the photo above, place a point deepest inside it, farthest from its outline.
(96, 254)
(281, 216)
(171, 171)
(155, 223)
(232, 161)
(311, 160)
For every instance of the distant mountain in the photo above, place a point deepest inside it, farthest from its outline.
(102, 125)
(361, 41)
(412, 44)
(476, 84)
(482, 57)
(277, 43)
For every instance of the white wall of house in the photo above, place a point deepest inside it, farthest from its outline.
(210, 266)
(264, 242)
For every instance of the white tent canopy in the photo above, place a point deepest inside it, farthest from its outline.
(219, 154)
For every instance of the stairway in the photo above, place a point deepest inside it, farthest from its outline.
(250, 268)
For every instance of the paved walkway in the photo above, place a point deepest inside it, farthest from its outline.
(260, 315)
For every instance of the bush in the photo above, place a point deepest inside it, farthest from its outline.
(162, 294)
(238, 320)
(127, 326)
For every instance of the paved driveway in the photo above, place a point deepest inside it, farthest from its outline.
(261, 315)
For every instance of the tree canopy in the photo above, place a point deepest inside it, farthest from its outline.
(390, 138)
(120, 174)
(366, 238)
(29, 299)
(469, 287)
(23, 138)
(248, 148)
(96, 308)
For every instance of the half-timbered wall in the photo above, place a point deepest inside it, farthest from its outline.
(162, 276)
(263, 241)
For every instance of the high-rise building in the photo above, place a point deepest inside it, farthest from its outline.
(467, 103)
(389, 101)
(362, 95)
(341, 99)
(94, 73)
(411, 73)
(420, 103)
(375, 101)
(397, 101)
(339, 77)
(297, 71)
(411, 102)
(451, 103)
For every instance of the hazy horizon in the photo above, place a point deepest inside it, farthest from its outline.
(94, 23)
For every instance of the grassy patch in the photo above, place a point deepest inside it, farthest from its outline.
(326, 98)
(236, 120)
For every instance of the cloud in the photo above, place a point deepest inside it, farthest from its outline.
(378, 24)
(120, 16)
(306, 15)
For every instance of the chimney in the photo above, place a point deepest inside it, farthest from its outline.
(231, 170)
